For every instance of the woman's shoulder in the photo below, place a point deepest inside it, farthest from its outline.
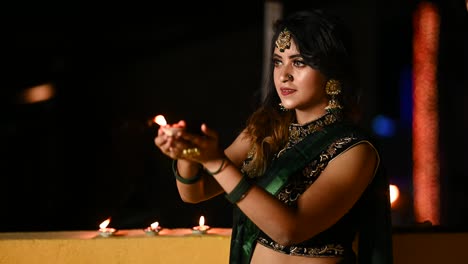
(352, 135)
(358, 132)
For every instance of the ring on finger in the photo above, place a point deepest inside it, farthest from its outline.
(190, 152)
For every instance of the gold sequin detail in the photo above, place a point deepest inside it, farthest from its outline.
(284, 40)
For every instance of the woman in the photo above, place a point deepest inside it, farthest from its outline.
(304, 179)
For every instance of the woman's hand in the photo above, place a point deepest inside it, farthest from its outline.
(189, 146)
(202, 148)
(169, 141)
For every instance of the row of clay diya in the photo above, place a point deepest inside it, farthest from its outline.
(151, 230)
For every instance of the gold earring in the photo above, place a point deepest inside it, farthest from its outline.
(333, 88)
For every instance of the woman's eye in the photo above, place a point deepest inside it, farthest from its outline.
(299, 63)
(276, 62)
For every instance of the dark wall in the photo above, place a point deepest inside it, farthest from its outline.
(88, 154)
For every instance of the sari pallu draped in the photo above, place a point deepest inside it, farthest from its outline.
(245, 232)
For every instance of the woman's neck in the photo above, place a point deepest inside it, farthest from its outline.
(307, 117)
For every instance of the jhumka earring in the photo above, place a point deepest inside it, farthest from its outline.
(282, 108)
(333, 88)
(284, 40)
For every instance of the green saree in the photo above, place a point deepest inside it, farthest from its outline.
(245, 232)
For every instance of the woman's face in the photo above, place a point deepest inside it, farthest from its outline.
(298, 85)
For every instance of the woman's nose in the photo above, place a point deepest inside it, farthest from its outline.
(286, 77)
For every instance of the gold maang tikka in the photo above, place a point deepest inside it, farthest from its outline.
(333, 88)
(284, 40)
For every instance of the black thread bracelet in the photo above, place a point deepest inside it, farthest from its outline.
(240, 191)
(191, 180)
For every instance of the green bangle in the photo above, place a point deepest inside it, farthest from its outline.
(218, 170)
(240, 191)
(192, 180)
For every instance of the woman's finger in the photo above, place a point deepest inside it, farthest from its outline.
(208, 131)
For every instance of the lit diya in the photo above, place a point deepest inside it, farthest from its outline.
(105, 231)
(153, 229)
(201, 228)
(168, 129)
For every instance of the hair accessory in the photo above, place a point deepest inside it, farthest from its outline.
(333, 88)
(284, 40)
(240, 191)
(192, 180)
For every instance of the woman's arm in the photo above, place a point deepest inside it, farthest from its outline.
(328, 199)
(208, 187)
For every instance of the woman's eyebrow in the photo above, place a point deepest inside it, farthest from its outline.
(276, 55)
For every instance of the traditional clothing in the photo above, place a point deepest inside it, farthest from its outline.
(292, 171)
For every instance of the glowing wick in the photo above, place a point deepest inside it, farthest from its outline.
(160, 120)
(154, 225)
(105, 223)
(153, 229)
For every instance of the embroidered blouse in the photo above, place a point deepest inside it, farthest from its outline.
(337, 240)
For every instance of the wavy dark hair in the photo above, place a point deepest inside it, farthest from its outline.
(324, 43)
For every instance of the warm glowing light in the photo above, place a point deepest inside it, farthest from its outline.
(153, 229)
(160, 120)
(201, 228)
(394, 193)
(155, 225)
(426, 171)
(167, 129)
(105, 231)
(38, 93)
(105, 223)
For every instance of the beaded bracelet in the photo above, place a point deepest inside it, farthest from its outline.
(191, 180)
(240, 191)
(218, 170)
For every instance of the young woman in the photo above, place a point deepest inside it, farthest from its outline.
(304, 178)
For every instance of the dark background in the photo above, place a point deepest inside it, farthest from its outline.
(88, 154)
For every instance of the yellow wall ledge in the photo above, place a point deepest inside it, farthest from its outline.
(127, 246)
(173, 246)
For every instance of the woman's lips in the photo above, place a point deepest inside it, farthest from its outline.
(287, 91)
